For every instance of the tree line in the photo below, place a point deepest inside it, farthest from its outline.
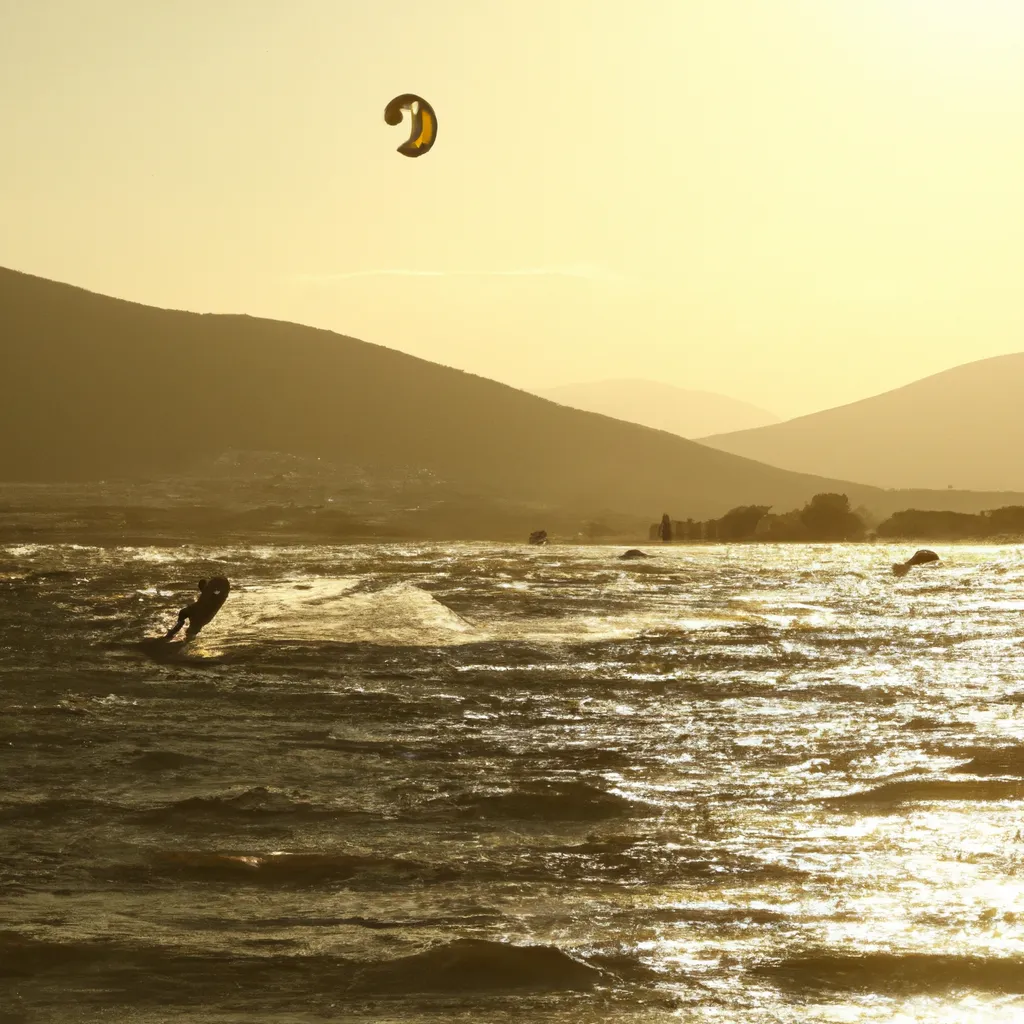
(828, 517)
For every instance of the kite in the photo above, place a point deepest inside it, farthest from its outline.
(424, 123)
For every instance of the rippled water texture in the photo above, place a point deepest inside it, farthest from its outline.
(472, 783)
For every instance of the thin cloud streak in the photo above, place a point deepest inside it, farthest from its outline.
(580, 272)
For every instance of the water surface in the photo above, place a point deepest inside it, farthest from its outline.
(470, 782)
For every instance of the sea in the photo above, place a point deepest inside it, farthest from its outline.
(486, 783)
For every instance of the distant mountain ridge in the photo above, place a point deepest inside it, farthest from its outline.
(962, 427)
(99, 388)
(689, 414)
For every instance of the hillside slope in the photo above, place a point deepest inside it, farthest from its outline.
(100, 388)
(963, 427)
(661, 406)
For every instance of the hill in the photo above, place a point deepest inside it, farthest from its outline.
(96, 388)
(661, 406)
(962, 427)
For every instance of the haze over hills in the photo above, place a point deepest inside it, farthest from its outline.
(680, 411)
(963, 427)
(100, 388)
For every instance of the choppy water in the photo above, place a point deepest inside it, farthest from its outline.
(425, 783)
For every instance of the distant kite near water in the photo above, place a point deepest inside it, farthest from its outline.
(424, 123)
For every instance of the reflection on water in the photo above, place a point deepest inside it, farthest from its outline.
(471, 782)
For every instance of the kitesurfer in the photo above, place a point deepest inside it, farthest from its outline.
(921, 557)
(212, 595)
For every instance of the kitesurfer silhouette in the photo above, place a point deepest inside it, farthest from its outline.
(921, 557)
(212, 595)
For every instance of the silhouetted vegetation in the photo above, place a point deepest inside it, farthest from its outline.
(665, 531)
(740, 522)
(828, 518)
(931, 525)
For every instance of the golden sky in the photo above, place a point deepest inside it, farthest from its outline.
(795, 202)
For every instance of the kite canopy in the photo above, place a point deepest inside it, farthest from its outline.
(424, 122)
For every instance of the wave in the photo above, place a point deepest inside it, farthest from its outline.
(340, 611)
(353, 610)
(577, 759)
(479, 965)
(705, 916)
(929, 790)
(281, 868)
(557, 801)
(22, 956)
(1002, 761)
(661, 859)
(906, 972)
(581, 758)
(480, 919)
(166, 760)
(258, 802)
(158, 974)
(42, 575)
(49, 810)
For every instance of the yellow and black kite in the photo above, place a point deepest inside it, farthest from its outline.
(424, 123)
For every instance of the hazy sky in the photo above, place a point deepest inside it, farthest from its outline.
(795, 202)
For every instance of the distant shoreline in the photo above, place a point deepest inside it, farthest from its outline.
(191, 513)
(99, 537)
